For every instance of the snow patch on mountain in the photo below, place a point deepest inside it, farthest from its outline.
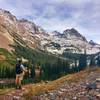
(69, 41)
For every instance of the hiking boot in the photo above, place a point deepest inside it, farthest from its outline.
(20, 87)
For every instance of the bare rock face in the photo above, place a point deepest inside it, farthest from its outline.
(13, 29)
(5, 42)
(75, 33)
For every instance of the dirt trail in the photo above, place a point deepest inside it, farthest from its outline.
(15, 94)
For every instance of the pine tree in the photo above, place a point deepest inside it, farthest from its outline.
(83, 61)
(92, 61)
(98, 60)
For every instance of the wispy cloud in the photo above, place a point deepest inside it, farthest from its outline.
(59, 14)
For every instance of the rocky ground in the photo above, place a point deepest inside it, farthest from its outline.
(87, 88)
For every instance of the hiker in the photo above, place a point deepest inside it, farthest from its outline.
(38, 73)
(20, 72)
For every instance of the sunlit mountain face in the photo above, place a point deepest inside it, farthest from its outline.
(28, 33)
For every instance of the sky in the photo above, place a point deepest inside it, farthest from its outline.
(51, 15)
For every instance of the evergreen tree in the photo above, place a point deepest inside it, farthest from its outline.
(92, 61)
(98, 61)
(83, 61)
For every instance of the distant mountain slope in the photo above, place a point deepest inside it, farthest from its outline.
(29, 34)
(69, 41)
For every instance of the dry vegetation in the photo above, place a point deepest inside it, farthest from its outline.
(47, 87)
(5, 91)
(2, 57)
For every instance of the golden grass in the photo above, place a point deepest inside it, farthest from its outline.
(5, 91)
(47, 87)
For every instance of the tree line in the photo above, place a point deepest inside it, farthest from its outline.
(53, 67)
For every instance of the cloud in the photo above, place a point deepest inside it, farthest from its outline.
(59, 14)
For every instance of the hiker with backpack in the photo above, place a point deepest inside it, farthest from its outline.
(20, 72)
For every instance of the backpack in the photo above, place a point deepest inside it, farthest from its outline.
(18, 69)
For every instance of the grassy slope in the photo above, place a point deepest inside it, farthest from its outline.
(5, 53)
(9, 58)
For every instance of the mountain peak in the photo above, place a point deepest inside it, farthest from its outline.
(7, 15)
(73, 32)
(56, 33)
(4, 11)
(93, 43)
